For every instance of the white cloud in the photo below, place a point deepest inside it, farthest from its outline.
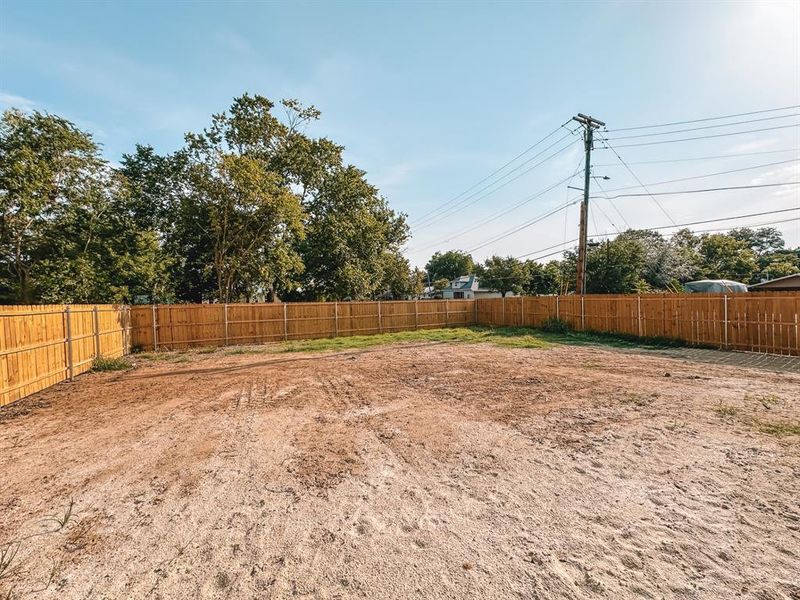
(13, 101)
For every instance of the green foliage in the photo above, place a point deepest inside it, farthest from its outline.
(250, 208)
(542, 279)
(111, 364)
(67, 233)
(725, 257)
(503, 274)
(449, 265)
(555, 326)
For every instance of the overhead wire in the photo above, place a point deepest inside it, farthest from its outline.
(689, 224)
(705, 137)
(471, 199)
(700, 158)
(496, 171)
(731, 116)
(639, 181)
(698, 191)
(741, 170)
(731, 124)
(502, 213)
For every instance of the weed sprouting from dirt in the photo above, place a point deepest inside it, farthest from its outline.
(766, 400)
(636, 399)
(7, 555)
(724, 410)
(779, 429)
(206, 350)
(62, 520)
(111, 364)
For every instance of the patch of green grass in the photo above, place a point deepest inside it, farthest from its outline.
(779, 429)
(245, 350)
(111, 364)
(509, 337)
(724, 410)
(206, 350)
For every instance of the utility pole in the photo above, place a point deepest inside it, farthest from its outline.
(589, 125)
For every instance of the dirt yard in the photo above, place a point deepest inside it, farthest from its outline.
(424, 470)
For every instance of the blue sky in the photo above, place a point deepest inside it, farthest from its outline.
(429, 98)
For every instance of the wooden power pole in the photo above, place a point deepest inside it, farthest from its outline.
(589, 125)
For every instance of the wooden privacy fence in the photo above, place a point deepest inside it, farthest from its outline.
(754, 322)
(45, 344)
(174, 326)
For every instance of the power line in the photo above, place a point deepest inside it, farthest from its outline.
(772, 164)
(699, 158)
(744, 114)
(525, 225)
(749, 225)
(644, 187)
(703, 222)
(470, 200)
(500, 214)
(469, 191)
(704, 137)
(719, 189)
(612, 203)
(641, 135)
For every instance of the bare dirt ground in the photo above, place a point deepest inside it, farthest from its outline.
(427, 470)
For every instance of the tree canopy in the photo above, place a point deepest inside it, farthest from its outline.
(249, 208)
(643, 261)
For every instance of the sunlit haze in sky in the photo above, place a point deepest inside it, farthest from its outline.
(430, 98)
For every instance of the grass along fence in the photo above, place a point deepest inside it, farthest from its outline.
(44, 344)
(176, 326)
(752, 322)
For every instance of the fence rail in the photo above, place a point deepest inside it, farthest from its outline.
(43, 345)
(176, 326)
(754, 322)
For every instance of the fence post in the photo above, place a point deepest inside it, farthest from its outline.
(416, 315)
(558, 315)
(725, 319)
(225, 309)
(336, 319)
(96, 326)
(155, 328)
(583, 316)
(285, 324)
(639, 313)
(475, 310)
(123, 320)
(68, 341)
(380, 321)
(446, 313)
(522, 311)
(503, 317)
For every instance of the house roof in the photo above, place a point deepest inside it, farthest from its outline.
(785, 279)
(465, 282)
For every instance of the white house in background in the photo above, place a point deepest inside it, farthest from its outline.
(467, 287)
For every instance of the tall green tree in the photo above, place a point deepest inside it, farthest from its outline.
(449, 265)
(66, 233)
(725, 257)
(503, 274)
